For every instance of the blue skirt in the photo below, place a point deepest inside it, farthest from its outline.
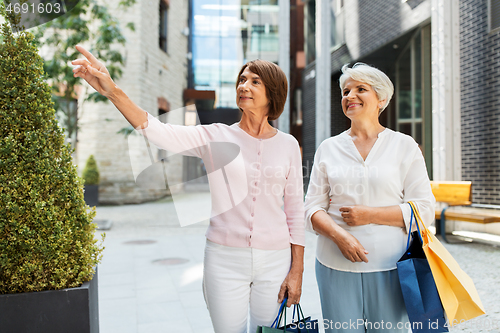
(361, 302)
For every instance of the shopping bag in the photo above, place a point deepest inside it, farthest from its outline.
(420, 294)
(304, 325)
(456, 289)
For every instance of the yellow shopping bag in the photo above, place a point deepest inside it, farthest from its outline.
(457, 292)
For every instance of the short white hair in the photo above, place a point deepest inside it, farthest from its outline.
(372, 76)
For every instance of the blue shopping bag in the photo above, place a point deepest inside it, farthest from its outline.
(420, 294)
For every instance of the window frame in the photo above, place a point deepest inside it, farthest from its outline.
(163, 26)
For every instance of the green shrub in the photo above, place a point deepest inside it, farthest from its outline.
(46, 230)
(91, 172)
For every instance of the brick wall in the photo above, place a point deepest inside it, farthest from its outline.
(480, 102)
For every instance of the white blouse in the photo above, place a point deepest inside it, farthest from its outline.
(393, 173)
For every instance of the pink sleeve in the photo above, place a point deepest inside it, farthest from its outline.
(185, 140)
(294, 198)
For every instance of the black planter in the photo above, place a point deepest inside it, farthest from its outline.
(91, 195)
(73, 310)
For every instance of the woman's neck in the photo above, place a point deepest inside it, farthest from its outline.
(365, 129)
(257, 127)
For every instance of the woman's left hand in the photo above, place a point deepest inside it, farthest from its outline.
(355, 215)
(291, 288)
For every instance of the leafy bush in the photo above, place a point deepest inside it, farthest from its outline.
(91, 172)
(46, 230)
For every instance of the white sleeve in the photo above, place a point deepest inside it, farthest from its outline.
(417, 189)
(317, 197)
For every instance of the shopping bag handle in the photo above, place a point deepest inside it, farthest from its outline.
(411, 222)
(282, 313)
(299, 308)
(277, 320)
(419, 221)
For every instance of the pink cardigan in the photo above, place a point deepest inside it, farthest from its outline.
(255, 184)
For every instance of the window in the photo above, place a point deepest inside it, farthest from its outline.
(264, 38)
(225, 35)
(336, 23)
(163, 25)
(413, 92)
(494, 14)
(310, 31)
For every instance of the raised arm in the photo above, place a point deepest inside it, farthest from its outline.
(186, 140)
(95, 73)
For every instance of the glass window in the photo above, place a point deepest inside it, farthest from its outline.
(404, 85)
(418, 132)
(418, 76)
(227, 34)
(163, 26)
(310, 31)
(264, 38)
(413, 90)
(405, 128)
(494, 14)
(336, 23)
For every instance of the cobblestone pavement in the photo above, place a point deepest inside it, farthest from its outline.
(150, 276)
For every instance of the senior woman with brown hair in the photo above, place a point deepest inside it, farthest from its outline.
(357, 201)
(254, 251)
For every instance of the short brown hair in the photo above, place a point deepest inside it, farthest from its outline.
(274, 80)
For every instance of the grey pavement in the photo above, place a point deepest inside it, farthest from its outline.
(150, 278)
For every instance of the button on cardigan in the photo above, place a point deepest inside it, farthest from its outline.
(257, 199)
(393, 173)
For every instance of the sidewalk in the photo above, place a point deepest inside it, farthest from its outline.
(151, 272)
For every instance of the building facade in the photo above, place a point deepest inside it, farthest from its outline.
(390, 35)
(442, 56)
(225, 35)
(154, 77)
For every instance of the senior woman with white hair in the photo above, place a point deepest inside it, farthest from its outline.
(357, 201)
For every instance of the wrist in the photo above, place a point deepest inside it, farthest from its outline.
(336, 233)
(297, 269)
(373, 214)
(114, 94)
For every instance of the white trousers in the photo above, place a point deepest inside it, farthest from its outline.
(243, 282)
